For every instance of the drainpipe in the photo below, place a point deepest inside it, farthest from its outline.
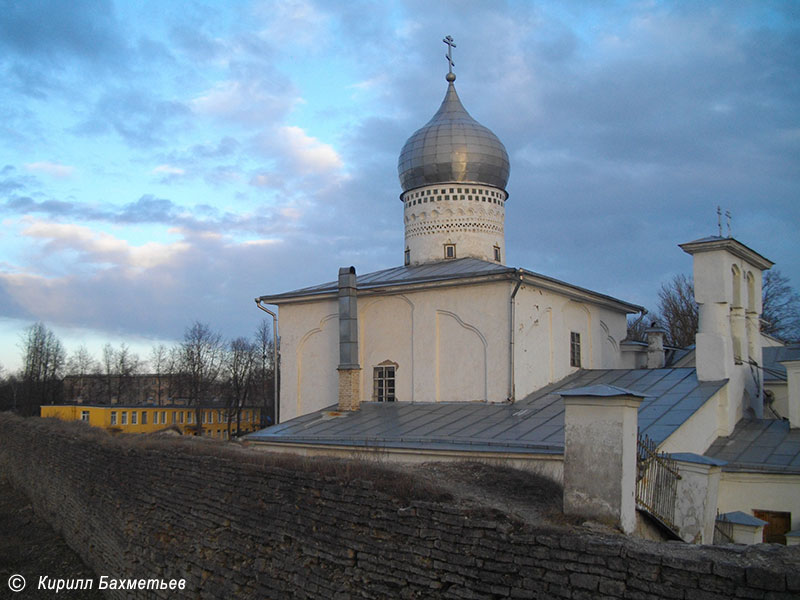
(512, 311)
(639, 320)
(276, 407)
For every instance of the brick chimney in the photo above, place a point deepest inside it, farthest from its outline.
(349, 369)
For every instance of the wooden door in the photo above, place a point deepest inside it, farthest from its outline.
(778, 524)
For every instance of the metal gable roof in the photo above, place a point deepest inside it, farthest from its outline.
(759, 445)
(772, 357)
(444, 271)
(532, 425)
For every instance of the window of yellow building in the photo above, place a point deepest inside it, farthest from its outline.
(85, 416)
(134, 417)
(189, 417)
(155, 417)
(180, 417)
(124, 416)
(174, 417)
(163, 417)
(113, 417)
(144, 417)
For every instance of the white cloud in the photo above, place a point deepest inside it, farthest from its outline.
(307, 153)
(294, 22)
(247, 101)
(52, 169)
(168, 170)
(102, 248)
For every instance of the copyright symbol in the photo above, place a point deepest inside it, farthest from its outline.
(16, 583)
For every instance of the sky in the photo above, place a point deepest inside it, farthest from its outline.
(167, 162)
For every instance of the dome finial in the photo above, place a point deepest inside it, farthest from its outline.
(451, 77)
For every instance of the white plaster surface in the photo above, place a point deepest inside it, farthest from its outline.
(600, 458)
(760, 491)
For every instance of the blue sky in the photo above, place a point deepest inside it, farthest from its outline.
(164, 162)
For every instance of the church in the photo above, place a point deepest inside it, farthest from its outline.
(457, 355)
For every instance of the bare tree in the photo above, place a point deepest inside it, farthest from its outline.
(43, 365)
(678, 311)
(266, 373)
(780, 315)
(202, 355)
(162, 368)
(81, 367)
(126, 366)
(241, 369)
(107, 365)
(638, 325)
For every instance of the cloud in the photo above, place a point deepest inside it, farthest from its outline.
(98, 248)
(250, 102)
(51, 30)
(138, 117)
(168, 170)
(295, 22)
(307, 154)
(53, 169)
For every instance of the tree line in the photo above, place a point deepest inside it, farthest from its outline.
(678, 312)
(200, 370)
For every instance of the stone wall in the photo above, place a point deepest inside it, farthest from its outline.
(248, 524)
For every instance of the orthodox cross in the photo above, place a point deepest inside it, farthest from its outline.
(719, 220)
(450, 45)
(728, 215)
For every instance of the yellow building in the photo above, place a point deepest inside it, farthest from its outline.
(147, 419)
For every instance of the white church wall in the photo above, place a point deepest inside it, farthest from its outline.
(543, 323)
(448, 344)
(760, 491)
(460, 343)
(309, 357)
(386, 336)
(699, 431)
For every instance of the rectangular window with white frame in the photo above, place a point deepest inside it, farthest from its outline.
(144, 417)
(134, 417)
(85, 416)
(383, 389)
(113, 417)
(574, 349)
(124, 417)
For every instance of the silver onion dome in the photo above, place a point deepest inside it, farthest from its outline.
(453, 148)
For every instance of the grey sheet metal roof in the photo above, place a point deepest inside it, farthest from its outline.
(460, 268)
(772, 357)
(444, 271)
(532, 425)
(738, 517)
(601, 390)
(759, 445)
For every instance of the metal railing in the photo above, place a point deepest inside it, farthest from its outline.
(723, 530)
(656, 482)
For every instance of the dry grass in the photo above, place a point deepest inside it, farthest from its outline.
(398, 484)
